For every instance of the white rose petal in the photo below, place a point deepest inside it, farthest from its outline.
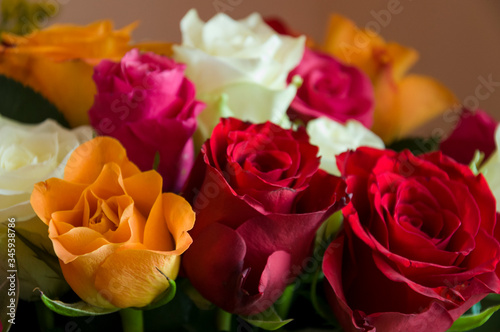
(244, 60)
(491, 170)
(334, 138)
(30, 154)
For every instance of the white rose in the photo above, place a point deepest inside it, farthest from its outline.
(244, 63)
(491, 170)
(30, 154)
(333, 138)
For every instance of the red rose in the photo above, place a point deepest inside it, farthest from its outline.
(331, 89)
(259, 198)
(418, 247)
(474, 131)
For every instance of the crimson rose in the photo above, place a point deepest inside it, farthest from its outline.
(147, 103)
(418, 247)
(474, 131)
(259, 198)
(331, 89)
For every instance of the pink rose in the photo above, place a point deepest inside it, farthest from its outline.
(146, 102)
(331, 89)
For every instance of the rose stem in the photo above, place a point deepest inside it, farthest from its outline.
(132, 320)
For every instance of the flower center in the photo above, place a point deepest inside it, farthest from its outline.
(104, 219)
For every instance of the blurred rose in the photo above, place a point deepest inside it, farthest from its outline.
(474, 131)
(491, 170)
(148, 105)
(241, 64)
(116, 235)
(259, 198)
(332, 89)
(58, 62)
(29, 154)
(333, 138)
(418, 247)
(402, 102)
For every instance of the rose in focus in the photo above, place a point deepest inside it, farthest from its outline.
(239, 67)
(418, 247)
(331, 89)
(146, 103)
(116, 235)
(259, 198)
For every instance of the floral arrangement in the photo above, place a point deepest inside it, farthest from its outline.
(247, 178)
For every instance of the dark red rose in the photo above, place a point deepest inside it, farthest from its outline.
(418, 247)
(259, 198)
(474, 131)
(331, 89)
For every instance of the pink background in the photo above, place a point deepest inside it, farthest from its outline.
(458, 41)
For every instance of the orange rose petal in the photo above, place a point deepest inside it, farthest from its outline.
(387, 114)
(422, 98)
(180, 218)
(156, 47)
(156, 232)
(81, 273)
(131, 276)
(144, 188)
(131, 227)
(87, 161)
(73, 217)
(108, 183)
(46, 198)
(366, 50)
(79, 241)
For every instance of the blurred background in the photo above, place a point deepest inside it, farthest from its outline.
(458, 41)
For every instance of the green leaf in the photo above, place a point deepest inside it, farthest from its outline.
(77, 309)
(163, 298)
(469, 322)
(23, 104)
(268, 320)
(417, 145)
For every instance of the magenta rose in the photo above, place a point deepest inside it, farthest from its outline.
(474, 131)
(259, 198)
(331, 89)
(418, 247)
(146, 103)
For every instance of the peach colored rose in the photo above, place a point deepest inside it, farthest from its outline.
(112, 228)
(402, 102)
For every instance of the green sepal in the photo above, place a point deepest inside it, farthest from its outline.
(267, 320)
(78, 309)
(23, 104)
(164, 297)
(469, 322)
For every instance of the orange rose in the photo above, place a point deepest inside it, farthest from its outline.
(402, 102)
(112, 228)
(59, 62)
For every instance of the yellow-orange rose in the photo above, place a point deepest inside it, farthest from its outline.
(58, 62)
(402, 102)
(112, 228)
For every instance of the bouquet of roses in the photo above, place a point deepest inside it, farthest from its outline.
(248, 178)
